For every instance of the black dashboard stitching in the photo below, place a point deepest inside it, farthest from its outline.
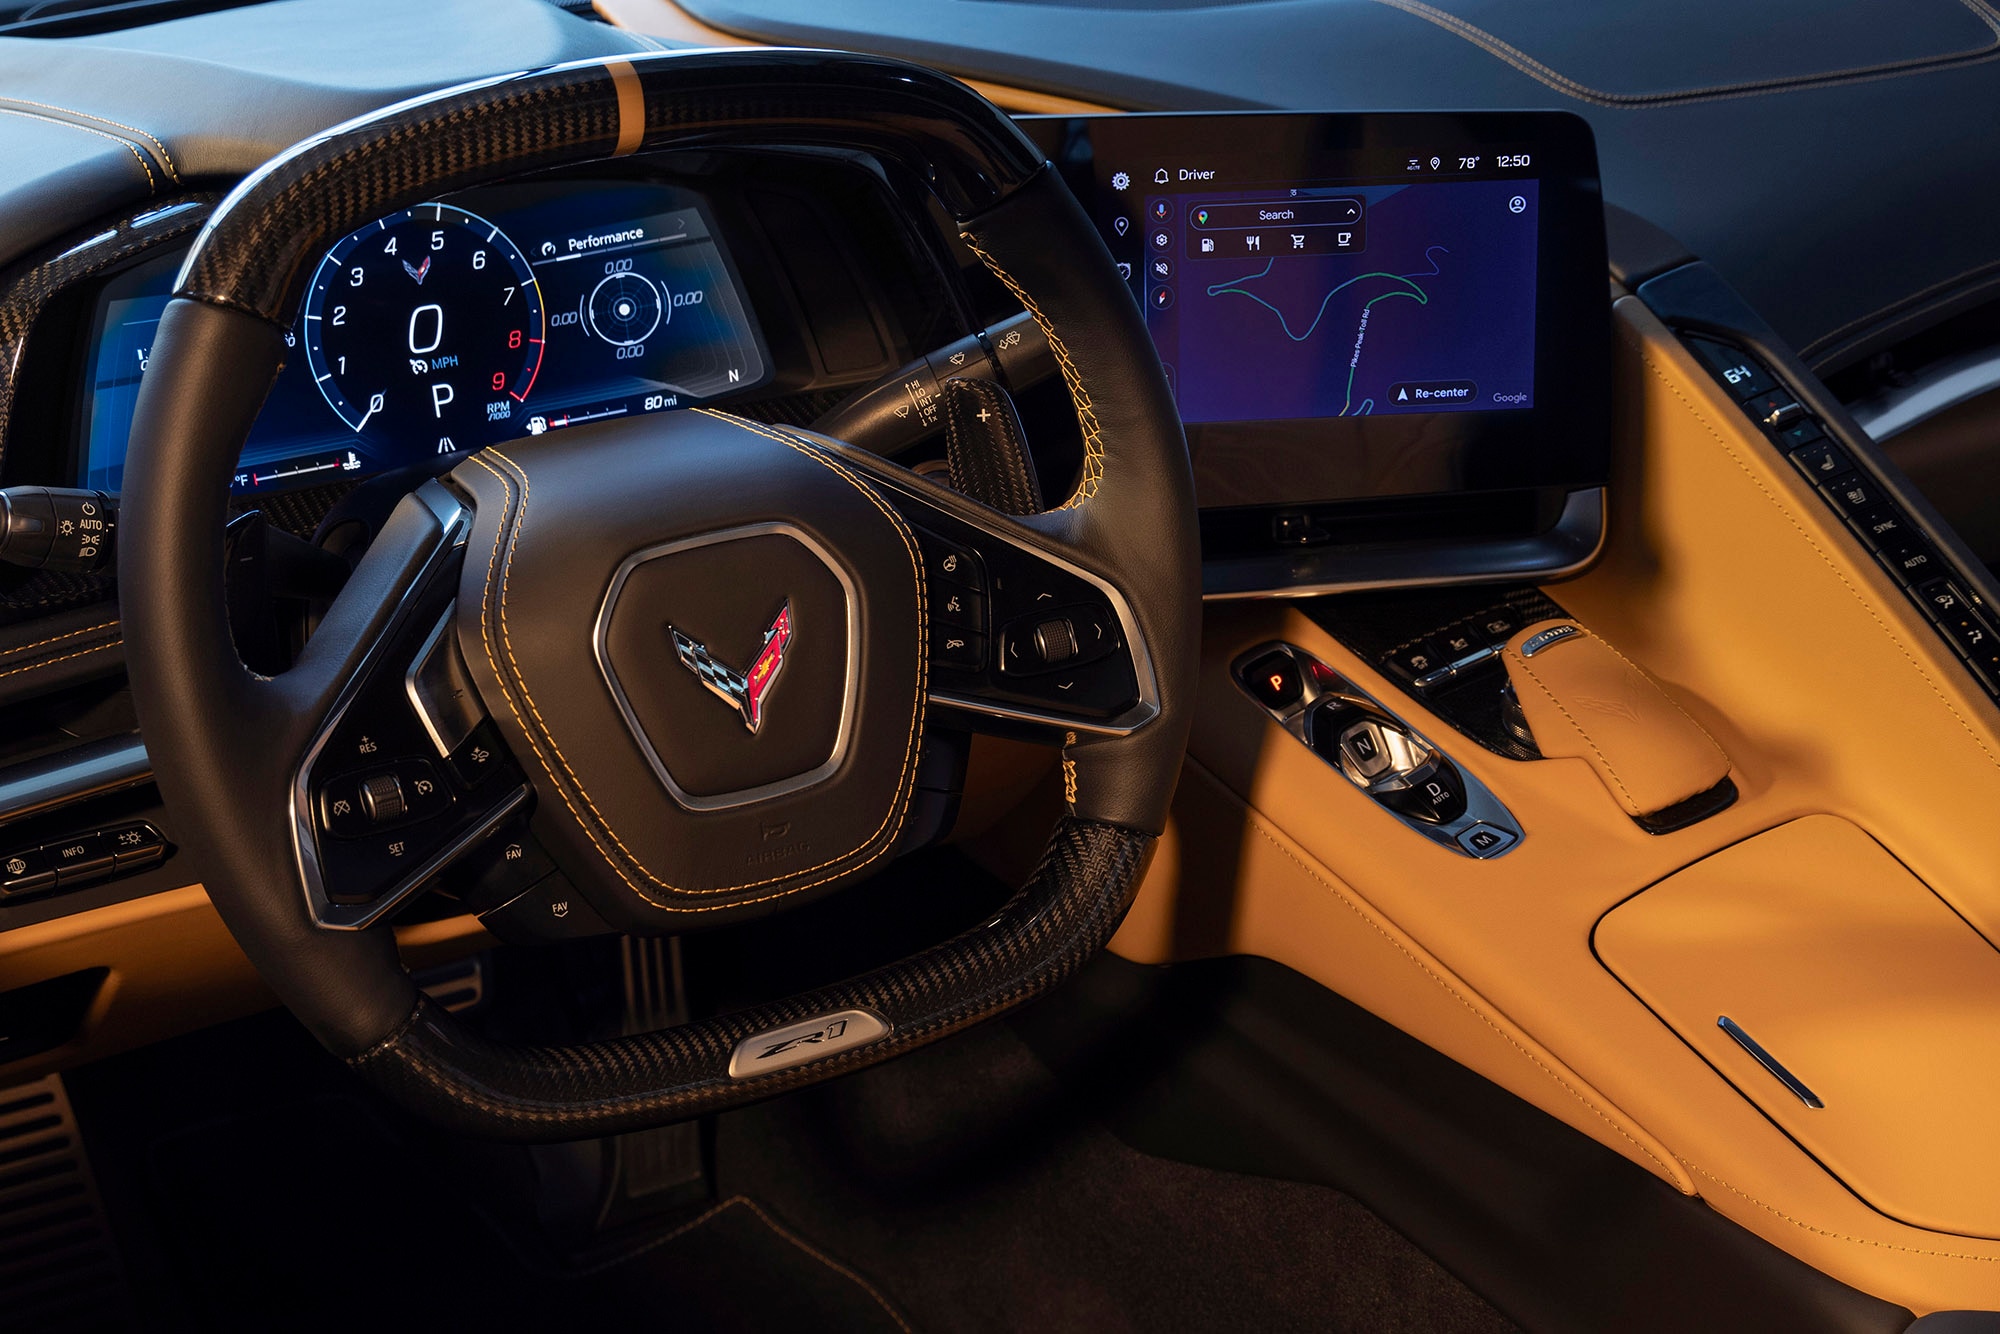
(1550, 77)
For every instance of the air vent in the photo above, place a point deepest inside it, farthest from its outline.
(59, 1267)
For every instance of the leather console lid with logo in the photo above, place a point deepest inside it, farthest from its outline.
(1584, 699)
(1850, 976)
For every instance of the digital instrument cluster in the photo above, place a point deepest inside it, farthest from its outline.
(511, 311)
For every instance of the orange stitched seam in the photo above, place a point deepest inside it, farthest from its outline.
(56, 639)
(1836, 1236)
(166, 158)
(1665, 696)
(1093, 436)
(1631, 802)
(1888, 631)
(1553, 78)
(596, 821)
(775, 1226)
(152, 185)
(50, 662)
(898, 812)
(1456, 994)
(831, 1263)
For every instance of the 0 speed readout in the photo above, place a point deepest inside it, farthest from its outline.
(426, 323)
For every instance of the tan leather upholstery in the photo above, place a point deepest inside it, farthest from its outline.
(1584, 698)
(1835, 960)
(1736, 589)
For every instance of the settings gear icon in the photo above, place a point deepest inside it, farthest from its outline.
(1120, 181)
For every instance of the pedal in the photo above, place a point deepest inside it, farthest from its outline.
(59, 1264)
(659, 1168)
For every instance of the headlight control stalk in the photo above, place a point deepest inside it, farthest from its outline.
(57, 528)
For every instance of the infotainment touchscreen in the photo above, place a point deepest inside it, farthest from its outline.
(1362, 305)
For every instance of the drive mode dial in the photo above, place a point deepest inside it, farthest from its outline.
(426, 324)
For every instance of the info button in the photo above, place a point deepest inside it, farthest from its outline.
(1433, 394)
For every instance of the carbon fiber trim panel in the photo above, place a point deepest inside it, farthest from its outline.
(256, 250)
(437, 1067)
(72, 260)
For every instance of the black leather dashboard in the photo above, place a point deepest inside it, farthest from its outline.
(1827, 166)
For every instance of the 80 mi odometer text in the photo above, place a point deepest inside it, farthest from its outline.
(426, 323)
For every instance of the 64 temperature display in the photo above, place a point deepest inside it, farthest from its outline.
(426, 324)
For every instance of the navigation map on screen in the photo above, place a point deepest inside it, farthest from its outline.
(1344, 301)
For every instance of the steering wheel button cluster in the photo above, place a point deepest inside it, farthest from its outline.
(382, 798)
(959, 649)
(951, 563)
(959, 607)
(357, 805)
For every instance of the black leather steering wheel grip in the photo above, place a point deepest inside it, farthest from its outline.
(611, 587)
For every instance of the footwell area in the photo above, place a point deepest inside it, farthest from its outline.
(989, 1199)
(255, 1185)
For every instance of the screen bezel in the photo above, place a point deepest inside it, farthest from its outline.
(1561, 443)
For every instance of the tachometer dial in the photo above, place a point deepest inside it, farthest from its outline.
(426, 322)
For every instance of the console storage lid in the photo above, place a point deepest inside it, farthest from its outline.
(1855, 980)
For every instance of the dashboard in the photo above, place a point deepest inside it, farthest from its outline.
(1385, 332)
(437, 330)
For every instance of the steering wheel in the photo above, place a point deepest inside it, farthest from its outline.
(711, 657)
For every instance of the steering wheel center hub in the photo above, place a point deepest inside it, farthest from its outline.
(707, 637)
(763, 621)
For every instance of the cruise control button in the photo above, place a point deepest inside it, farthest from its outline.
(85, 857)
(382, 798)
(960, 650)
(27, 871)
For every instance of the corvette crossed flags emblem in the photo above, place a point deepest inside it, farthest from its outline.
(745, 691)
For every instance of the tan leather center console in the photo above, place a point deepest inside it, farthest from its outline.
(1742, 598)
